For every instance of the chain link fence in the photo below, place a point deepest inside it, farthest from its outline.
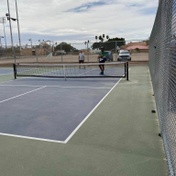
(162, 63)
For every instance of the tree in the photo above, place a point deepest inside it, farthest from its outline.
(146, 41)
(65, 46)
(110, 44)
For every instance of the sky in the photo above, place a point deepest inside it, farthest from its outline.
(77, 21)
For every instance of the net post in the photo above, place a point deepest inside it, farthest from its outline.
(14, 71)
(127, 71)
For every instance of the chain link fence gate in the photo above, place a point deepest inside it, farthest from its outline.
(162, 64)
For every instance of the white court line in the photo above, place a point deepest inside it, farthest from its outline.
(77, 128)
(74, 131)
(11, 98)
(11, 85)
(5, 81)
(55, 86)
(78, 87)
(32, 138)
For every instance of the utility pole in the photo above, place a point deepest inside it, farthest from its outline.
(87, 43)
(18, 24)
(9, 19)
(3, 21)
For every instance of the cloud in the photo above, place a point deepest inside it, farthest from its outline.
(87, 6)
(77, 21)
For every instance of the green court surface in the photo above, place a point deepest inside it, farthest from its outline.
(120, 138)
(4, 78)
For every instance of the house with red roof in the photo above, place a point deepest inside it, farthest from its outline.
(136, 47)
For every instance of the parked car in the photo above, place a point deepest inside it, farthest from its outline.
(124, 55)
(60, 52)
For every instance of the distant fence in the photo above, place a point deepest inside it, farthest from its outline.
(62, 52)
(162, 63)
(44, 48)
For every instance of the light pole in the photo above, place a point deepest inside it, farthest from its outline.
(18, 24)
(3, 21)
(61, 51)
(31, 42)
(32, 51)
(54, 45)
(87, 44)
(0, 41)
(1, 45)
(9, 18)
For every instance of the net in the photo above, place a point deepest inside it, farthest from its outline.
(86, 70)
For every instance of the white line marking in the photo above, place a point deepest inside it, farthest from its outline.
(77, 128)
(32, 138)
(5, 81)
(63, 87)
(55, 141)
(78, 87)
(32, 86)
(11, 98)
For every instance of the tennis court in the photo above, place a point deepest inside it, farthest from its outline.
(108, 128)
(49, 109)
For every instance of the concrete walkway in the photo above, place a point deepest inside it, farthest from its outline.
(120, 138)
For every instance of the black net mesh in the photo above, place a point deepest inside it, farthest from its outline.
(86, 70)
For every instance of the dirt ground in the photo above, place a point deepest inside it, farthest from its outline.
(136, 57)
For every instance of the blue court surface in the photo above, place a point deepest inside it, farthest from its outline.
(6, 71)
(49, 109)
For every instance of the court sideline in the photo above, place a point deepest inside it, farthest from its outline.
(120, 138)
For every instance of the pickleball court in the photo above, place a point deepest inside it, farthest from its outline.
(49, 109)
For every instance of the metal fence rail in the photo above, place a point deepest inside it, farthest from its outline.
(162, 63)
